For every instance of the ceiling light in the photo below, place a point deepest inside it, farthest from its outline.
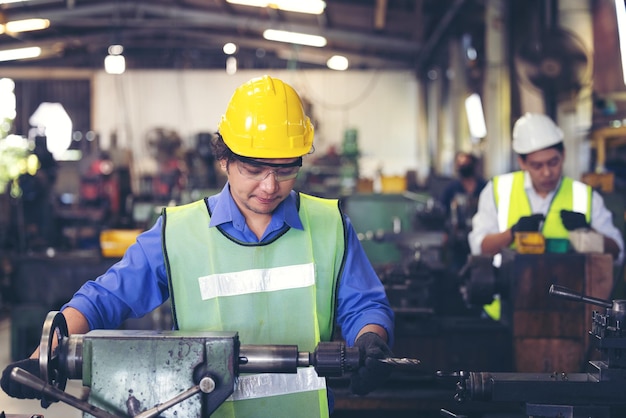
(115, 63)
(20, 53)
(25, 25)
(475, 116)
(231, 65)
(229, 48)
(337, 62)
(315, 7)
(294, 38)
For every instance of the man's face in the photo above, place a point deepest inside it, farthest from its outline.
(465, 165)
(545, 168)
(257, 188)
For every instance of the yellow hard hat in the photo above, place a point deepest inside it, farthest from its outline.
(265, 119)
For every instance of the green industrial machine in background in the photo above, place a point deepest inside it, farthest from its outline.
(389, 224)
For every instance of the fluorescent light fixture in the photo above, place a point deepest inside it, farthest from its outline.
(229, 48)
(620, 11)
(115, 64)
(315, 7)
(231, 65)
(294, 38)
(475, 116)
(338, 63)
(20, 53)
(26, 25)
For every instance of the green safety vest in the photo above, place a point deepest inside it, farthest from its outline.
(277, 292)
(512, 203)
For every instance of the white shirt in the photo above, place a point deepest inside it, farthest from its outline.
(485, 221)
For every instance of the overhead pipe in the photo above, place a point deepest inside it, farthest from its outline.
(425, 52)
(217, 20)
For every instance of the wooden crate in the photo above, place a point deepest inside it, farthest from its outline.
(549, 333)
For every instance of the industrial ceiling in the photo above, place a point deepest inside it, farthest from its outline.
(190, 34)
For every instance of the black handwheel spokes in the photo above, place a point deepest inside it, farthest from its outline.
(50, 368)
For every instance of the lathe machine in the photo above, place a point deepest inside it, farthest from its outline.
(166, 373)
(174, 373)
(599, 393)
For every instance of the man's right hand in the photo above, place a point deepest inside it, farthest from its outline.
(17, 390)
(528, 224)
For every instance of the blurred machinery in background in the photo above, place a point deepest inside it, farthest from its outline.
(200, 163)
(335, 173)
(406, 238)
(169, 179)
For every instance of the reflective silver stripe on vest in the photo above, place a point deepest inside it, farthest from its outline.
(257, 280)
(273, 384)
(505, 184)
(580, 196)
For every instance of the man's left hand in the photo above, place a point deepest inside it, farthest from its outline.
(373, 373)
(574, 220)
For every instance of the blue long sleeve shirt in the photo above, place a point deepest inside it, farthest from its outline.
(138, 283)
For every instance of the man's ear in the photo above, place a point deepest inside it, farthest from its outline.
(521, 162)
(224, 166)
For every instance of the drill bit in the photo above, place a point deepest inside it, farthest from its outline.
(401, 363)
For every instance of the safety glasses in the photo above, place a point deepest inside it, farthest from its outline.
(258, 170)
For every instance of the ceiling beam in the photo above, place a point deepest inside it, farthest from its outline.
(433, 40)
(113, 14)
(380, 14)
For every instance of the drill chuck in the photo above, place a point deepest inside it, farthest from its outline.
(330, 359)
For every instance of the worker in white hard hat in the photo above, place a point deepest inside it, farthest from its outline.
(539, 197)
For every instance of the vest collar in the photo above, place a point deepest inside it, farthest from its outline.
(223, 210)
(530, 189)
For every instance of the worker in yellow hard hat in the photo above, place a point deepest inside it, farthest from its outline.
(539, 197)
(275, 265)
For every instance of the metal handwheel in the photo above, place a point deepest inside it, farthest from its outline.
(50, 365)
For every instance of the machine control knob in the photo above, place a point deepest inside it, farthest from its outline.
(206, 385)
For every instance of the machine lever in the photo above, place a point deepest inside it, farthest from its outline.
(448, 414)
(33, 382)
(565, 293)
(206, 385)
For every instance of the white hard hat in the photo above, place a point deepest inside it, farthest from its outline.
(533, 132)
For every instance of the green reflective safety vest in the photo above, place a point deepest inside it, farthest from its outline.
(277, 292)
(512, 203)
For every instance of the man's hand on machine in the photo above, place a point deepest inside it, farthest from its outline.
(372, 373)
(17, 390)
